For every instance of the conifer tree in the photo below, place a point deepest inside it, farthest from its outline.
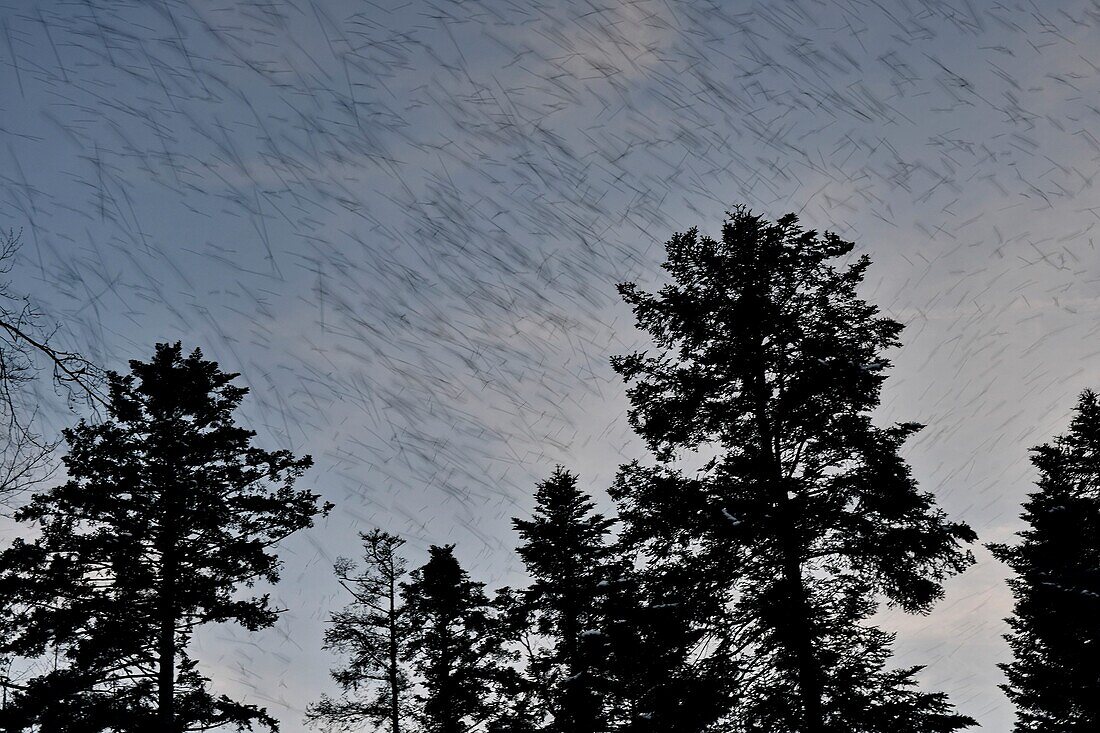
(769, 364)
(1054, 678)
(169, 511)
(566, 552)
(521, 705)
(655, 682)
(372, 632)
(455, 648)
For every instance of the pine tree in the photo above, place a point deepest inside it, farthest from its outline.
(521, 697)
(168, 512)
(655, 681)
(1054, 678)
(372, 632)
(770, 364)
(565, 552)
(456, 649)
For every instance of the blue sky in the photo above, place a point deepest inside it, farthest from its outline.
(403, 223)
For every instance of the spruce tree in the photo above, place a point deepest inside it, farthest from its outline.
(169, 511)
(1054, 678)
(455, 648)
(565, 551)
(769, 364)
(371, 630)
(521, 693)
(655, 680)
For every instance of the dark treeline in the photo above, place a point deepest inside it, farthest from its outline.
(732, 590)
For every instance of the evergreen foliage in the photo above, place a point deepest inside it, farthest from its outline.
(169, 511)
(1054, 678)
(768, 360)
(566, 553)
(372, 632)
(658, 683)
(455, 648)
(736, 597)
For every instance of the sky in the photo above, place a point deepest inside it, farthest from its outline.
(402, 222)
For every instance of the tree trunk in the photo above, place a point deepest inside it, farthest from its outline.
(570, 632)
(166, 613)
(166, 651)
(798, 636)
(450, 719)
(801, 638)
(395, 713)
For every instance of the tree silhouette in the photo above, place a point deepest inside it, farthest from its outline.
(168, 512)
(566, 553)
(521, 690)
(655, 681)
(373, 633)
(27, 350)
(1054, 679)
(769, 364)
(455, 648)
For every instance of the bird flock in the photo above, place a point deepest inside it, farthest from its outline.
(403, 221)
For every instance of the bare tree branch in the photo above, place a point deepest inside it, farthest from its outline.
(25, 342)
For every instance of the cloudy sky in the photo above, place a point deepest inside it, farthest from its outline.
(402, 222)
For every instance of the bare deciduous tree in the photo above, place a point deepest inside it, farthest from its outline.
(27, 350)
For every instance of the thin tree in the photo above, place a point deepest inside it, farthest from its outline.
(769, 364)
(456, 650)
(168, 512)
(566, 553)
(371, 630)
(1054, 678)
